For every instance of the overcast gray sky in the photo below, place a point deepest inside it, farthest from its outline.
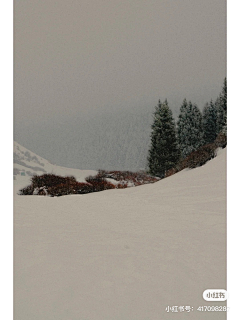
(79, 57)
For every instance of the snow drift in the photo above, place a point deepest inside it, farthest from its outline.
(123, 254)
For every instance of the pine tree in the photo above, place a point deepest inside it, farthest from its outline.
(197, 128)
(221, 115)
(189, 128)
(182, 130)
(209, 122)
(163, 153)
(221, 107)
(223, 95)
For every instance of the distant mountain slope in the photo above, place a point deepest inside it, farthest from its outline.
(27, 164)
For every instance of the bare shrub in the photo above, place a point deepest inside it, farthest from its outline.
(199, 157)
(122, 185)
(221, 140)
(27, 190)
(50, 180)
(99, 183)
(53, 185)
(170, 172)
(125, 177)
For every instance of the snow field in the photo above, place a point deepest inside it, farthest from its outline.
(123, 254)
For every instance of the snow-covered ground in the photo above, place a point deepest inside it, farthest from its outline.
(123, 254)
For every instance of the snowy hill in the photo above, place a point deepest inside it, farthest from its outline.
(27, 164)
(123, 254)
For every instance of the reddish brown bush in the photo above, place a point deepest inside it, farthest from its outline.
(99, 184)
(52, 185)
(70, 188)
(125, 177)
(221, 140)
(50, 180)
(199, 157)
(121, 185)
(170, 172)
(27, 190)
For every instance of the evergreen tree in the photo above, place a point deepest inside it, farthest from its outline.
(221, 107)
(197, 128)
(209, 122)
(189, 128)
(223, 95)
(221, 115)
(163, 153)
(182, 130)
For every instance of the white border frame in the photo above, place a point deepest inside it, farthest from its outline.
(233, 234)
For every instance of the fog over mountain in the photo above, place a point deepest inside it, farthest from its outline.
(27, 164)
(108, 141)
(117, 140)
